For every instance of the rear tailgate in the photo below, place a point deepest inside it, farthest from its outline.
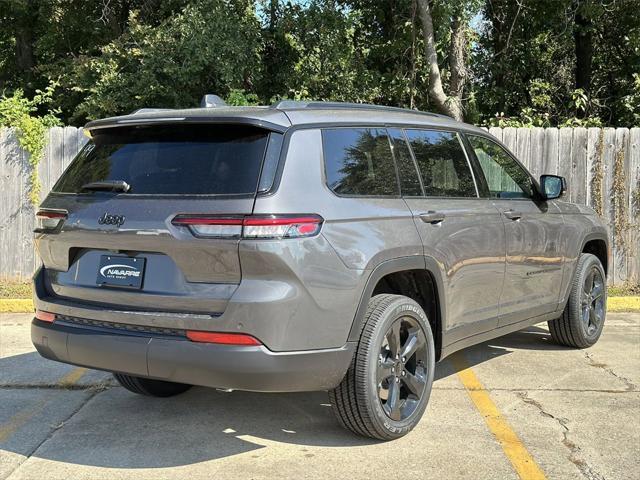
(120, 248)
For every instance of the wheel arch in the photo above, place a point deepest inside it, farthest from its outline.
(595, 243)
(417, 277)
(598, 245)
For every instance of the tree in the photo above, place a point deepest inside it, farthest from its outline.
(451, 103)
(557, 62)
(532, 62)
(211, 46)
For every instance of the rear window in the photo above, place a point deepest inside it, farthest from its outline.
(358, 161)
(172, 160)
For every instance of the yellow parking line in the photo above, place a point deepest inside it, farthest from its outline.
(522, 461)
(72, 377)
(20, 418)
(17, 421)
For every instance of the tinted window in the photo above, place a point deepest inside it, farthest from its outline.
(189, 159)
(271, 159)
(505, 178)
(358, 161)
(442, 163)
(409, 181)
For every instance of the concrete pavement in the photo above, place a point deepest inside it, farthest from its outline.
(576, 412)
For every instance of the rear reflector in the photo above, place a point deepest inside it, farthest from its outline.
(253, 226)
(45, 316)
(50, 219)
(222, 338)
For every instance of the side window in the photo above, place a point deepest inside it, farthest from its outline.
(409, 180)
(358, 161)
(505, 178)
(442, 163)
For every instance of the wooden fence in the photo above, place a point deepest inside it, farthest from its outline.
(602, 167)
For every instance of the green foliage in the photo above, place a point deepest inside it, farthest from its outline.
(112, 57)
(540, 113)
(19, 112)
(210, 46)
(631, 102)
(526, 58)
(240, 98)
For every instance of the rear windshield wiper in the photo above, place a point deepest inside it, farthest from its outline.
(108, 185)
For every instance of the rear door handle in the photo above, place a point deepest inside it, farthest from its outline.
(432, 217)
(512, 214)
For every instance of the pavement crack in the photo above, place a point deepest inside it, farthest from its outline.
(54, 428)
(54, 386)
(629, 385)
(575, 452)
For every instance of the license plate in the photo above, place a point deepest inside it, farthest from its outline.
(117, 271)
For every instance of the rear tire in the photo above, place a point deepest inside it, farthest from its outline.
(386, 389)
(582, 320)
(150, 387)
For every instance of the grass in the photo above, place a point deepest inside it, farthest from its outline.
(15, 290)
(626, 290)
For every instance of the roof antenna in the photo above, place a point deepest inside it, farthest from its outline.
(211, 101)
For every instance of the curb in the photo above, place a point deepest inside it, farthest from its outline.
(623, 304)
(16, 305)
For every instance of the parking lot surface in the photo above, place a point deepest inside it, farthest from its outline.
(516, 406)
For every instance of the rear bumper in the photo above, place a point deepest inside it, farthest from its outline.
(177, 359)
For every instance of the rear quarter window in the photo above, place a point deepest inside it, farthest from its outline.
(172, 160)
(358, 161)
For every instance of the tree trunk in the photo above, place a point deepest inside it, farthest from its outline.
(583, 36)
(457, 60)
(273, 15)
(451, 106)
(25, 17)
(24, 49)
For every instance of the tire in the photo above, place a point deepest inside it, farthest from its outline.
(364, 401)
(150, 387)
(582, 320)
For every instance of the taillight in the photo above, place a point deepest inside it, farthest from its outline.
(281, 226)
(252, 226)
(45, 316)
(222, 338)
(212, 227)
(50, 219)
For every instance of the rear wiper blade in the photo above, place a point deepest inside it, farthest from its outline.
(108, 185)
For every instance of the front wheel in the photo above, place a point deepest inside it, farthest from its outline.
(583, 317)
(386, 389)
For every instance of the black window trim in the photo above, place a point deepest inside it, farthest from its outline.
(325, 180)
(413, 161)
(536, 188)
(462, 146)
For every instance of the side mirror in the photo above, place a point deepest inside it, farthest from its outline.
(552, 186)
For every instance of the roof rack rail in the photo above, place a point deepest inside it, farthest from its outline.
(300, 105)
(150, 110)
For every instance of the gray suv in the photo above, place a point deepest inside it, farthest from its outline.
(306, 246)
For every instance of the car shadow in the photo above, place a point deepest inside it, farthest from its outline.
(531, 338)
(117, 429)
